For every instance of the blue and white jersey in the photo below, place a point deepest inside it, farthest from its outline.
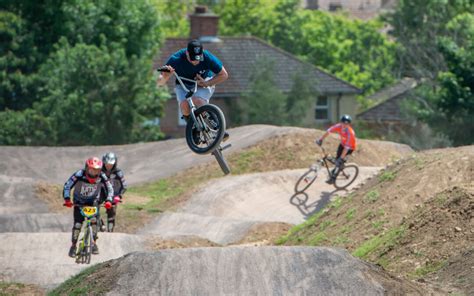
(86, 192)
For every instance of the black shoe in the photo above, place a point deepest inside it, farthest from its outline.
(95, 249)
(330, 181)
(226, 137)
(72, 251)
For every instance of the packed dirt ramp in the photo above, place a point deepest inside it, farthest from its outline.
(242, 271)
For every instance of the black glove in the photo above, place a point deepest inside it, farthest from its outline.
(319, 142)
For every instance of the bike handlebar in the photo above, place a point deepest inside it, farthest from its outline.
(189, 93)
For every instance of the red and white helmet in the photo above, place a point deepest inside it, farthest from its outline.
(93, 168)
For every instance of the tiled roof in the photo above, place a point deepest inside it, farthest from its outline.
(388, 102)
(239, 56)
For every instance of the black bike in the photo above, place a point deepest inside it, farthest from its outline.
(345, 175)
(205, 127)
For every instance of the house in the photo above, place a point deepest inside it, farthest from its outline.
(361, 9)
(239, 55)
(387, 114)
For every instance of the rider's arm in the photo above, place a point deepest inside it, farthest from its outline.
(70, 184)
(164, 76)
(108, 186)
(332, 129)
(123, 183)
(219, 78)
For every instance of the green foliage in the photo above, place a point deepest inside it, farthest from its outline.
(372, 196)
(96, 95)
(82, 70)
(378, 242)
(427, 269)
(17, 57)
(300, 98)
(437, 46)
(387, 176)
(263, 102)
(350, 214)
(350, 49)
(26, 127)
(77, 285)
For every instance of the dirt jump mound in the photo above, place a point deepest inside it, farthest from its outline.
(239, 271)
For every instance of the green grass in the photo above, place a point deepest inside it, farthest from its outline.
(242, 163)
(350, 214)
(387, 176)
(378, 242)
(318, 239)
(372, 196)
(427, 269)
(297, 228)
(77, 285)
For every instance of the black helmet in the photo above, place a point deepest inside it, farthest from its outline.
(110, 158)
(346, 118)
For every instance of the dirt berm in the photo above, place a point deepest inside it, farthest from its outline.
(240, 271)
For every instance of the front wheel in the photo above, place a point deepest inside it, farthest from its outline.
(346, 176)
(306, 180)
(213, 122)
(221, 161)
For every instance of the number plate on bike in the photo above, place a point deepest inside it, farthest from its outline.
(89, 211)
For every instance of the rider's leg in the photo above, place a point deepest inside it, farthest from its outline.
(198, 102)
(76, 229)
(111, 218)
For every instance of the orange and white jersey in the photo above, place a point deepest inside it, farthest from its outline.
(347, 134)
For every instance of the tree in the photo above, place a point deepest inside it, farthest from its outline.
(300, 99)
(417, 26)
(264, 102)
(26, 127)
(17, 63)
(95, 95)
(351, 49)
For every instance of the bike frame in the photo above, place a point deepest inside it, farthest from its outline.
(324, 161)
(189, 98)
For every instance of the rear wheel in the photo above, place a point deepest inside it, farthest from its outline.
(221, 161)
(346, 176)
(306, 180)
(213, 121)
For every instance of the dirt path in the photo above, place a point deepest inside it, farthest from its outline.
(224, 210)
(41, 258)
(22, 167)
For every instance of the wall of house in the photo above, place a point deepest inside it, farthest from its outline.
(347, 105)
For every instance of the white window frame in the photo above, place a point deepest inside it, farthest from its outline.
(323, 107)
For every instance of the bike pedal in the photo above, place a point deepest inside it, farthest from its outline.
(225, 147)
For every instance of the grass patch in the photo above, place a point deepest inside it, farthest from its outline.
(318, 239)
(427, 269)
(378, 242)
(350, 214)
(341, 240)
(243, 162)
(297, 228)
(79, 285)
(387, 176)
(378, 224)
(372, 196)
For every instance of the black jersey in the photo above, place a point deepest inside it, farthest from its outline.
(86, 192)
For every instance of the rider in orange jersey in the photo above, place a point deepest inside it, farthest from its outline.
(347, 146)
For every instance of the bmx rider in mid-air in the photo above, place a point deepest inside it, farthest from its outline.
(197, 64)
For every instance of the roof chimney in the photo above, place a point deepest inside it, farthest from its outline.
(203, 24)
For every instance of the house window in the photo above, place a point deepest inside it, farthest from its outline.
(335, 6)
(312, 4)
(181, 121)
(322, 109)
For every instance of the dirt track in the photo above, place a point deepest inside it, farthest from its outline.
(223, 210)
